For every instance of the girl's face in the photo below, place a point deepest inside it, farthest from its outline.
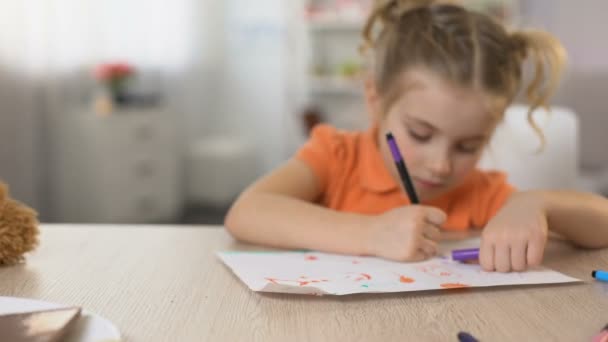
(441, 130)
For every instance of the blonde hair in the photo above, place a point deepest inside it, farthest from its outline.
(464, 46)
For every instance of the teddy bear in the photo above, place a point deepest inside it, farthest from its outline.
(18, 229)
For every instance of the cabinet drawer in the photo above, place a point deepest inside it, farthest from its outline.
(143, 190)
(142, 205)
(131, 135)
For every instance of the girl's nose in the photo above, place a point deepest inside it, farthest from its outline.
(441, 165)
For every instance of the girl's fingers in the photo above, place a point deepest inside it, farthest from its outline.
(429, 247)
(420, 255)
(502, 257)
(486, 255)
(431, 232)
(535, 251)
(519, 256)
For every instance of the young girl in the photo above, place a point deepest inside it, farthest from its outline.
(441, 79)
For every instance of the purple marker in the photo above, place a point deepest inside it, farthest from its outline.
(466, 337)
(405, 176)
(465, 254)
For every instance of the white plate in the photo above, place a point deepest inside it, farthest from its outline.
(89, 328)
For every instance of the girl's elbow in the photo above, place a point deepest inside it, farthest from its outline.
(236, 221)
(231, 222)
(593, 244)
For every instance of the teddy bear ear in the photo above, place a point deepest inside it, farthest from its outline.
(3, 192)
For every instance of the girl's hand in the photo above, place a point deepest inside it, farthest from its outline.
(407, 233)
(515, 238)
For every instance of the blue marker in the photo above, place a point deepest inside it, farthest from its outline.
(600, 275)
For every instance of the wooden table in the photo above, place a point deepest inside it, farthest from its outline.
(166, 284)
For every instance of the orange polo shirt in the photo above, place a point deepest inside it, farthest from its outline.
(353, 178)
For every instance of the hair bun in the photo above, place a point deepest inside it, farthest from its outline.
(520, 44)
(3, 193)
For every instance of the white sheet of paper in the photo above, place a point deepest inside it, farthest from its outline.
(315, 273)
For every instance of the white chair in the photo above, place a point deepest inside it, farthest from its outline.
(218, 169)
(514, 149)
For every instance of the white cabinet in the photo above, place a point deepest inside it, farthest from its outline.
(120, 168)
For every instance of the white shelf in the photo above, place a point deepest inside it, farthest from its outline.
(330, 86)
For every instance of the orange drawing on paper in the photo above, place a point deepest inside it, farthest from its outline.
(272, 280)
(302, 281)
(436, 270)
(306, 282)
(364, 276)
(311, 258)
(358, 276)
(406, 280)
(454, 286)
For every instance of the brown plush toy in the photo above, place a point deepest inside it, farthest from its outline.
(18, 229)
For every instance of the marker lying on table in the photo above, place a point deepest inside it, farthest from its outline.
(465, 254)
(600, 275)
(466, 337)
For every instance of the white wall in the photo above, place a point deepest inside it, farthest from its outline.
(18, 139)
(46, 51)
(581, 25)
(246, 79)
(18, 124)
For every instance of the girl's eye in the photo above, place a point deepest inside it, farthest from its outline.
(419, 137)
(471, 149)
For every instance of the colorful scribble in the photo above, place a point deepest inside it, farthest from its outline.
(311, 258)
(437, 270)
(358, 276)
(454, 286)
(406, 280)
(302, 281)
(272, 280)
(356, 262)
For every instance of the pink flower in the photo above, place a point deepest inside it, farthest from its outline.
(113, 71)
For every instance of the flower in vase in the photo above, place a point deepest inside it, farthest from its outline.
(114, 76)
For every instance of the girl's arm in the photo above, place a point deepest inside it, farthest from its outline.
(580, 217)
(279, 211)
